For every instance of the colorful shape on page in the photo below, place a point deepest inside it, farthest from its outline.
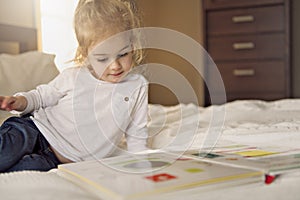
(207, 155)
(194, 170)
(255, 153)
(161, 177)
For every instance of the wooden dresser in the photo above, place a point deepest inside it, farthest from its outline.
(249, 41)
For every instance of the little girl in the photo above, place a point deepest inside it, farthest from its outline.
(85, 111)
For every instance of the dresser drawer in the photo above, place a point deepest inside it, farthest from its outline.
(219, 4)
(270, 46)
(255, 95)
(249, 40)
(253, 77)
(247, 20)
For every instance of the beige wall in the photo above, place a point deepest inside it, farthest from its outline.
(23, 13)
(183, 16)
(18, 12)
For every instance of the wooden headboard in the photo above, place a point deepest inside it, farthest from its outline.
(16, 39)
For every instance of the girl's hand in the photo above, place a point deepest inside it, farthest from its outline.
(9, 103)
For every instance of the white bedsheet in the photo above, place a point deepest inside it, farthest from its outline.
(249, 122)
(31, 185)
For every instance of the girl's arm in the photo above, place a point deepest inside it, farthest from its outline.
(43, 96)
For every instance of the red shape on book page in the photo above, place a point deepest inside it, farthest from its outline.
(270, 179)
(160, 177)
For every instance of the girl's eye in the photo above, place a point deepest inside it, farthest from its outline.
(102, 59)
(123, 55)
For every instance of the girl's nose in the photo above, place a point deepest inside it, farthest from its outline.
(115, 65)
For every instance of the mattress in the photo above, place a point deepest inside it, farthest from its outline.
(188, 126)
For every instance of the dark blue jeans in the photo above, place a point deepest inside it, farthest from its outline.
(23, 147)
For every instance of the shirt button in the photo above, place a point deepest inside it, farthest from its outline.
(126, 98)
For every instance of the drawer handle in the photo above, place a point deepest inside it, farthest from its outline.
(243, 19)
(244, 72)
(243, 46)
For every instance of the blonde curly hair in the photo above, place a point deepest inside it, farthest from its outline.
(94, 18)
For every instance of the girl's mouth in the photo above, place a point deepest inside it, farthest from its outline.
(117, 74)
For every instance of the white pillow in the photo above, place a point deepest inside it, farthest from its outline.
(24, 72)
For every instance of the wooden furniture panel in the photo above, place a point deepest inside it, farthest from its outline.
(251, 77)
(250, 20)
(264, 46)
(15, 37)
(225, 4)
(259, 96)
(250, 44)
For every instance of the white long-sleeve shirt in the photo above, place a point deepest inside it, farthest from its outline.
(84, 118)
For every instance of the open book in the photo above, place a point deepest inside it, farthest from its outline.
(271, 160)
(147, 175)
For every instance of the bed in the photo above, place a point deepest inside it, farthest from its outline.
(178, 127)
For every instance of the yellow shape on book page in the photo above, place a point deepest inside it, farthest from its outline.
(255, 153)
(194, 170)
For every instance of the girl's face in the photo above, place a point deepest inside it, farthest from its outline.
(111, 59)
